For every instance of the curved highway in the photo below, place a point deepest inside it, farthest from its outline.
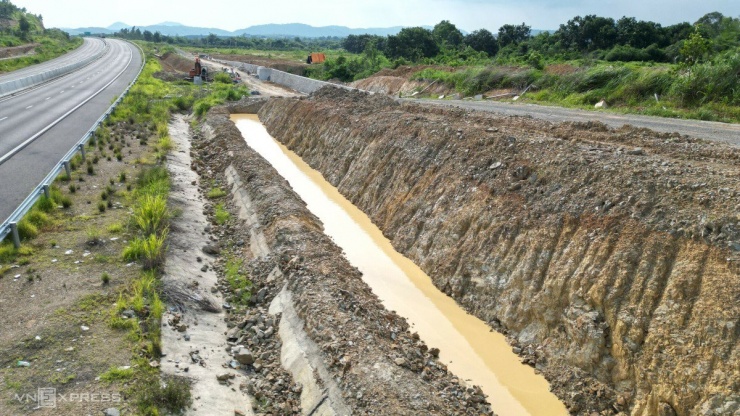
(90, 47)
(39, 126)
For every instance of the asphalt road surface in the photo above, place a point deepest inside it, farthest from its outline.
(709, 130)
(39, 126)
(89, 47)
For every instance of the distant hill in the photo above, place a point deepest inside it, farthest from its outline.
(269, 30)
(308, 31)
(115, 27)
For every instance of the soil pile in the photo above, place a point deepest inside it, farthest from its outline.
(610, 257)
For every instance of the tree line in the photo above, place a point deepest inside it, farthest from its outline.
(590, 37)
(627, 39)
(241, 42)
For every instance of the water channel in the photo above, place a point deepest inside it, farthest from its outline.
(467, 345)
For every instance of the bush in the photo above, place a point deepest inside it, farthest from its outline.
(221, 214)
(45, 204)
(149, 250)
(223, 78)
(26, 230)
(715, 81)
(150, 214)
(172, 394)
(216, 193)
(154, 181)
(37, 218)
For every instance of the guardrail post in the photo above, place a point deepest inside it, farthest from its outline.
(67, 169)
(46, 191)
(82, 152)
(16, 237)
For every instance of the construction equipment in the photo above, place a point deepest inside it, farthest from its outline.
(198, 71)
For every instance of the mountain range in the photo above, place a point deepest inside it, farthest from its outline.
(268, 30)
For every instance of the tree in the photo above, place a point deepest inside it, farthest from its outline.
(447, 34)
(710, 24)
(588, 33)
(640, 34)
(24, 26)
(7, 9)
(694, 48)
(372, 53)
(148, 36)
(482, 41)
(412, 43)
(511, 34)
(358, 43)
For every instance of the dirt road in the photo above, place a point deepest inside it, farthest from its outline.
(720, 132)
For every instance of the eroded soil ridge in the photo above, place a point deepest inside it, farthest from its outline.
(610, 257)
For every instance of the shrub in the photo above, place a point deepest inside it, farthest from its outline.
(216, 193)
(149, 250)
(45, 204)
(37, 218)
(150, 215)
(223, 78)
(221, 214)
(26, 229)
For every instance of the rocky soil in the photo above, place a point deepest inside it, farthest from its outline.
(15, 51)
(610, 257)
(361, 358)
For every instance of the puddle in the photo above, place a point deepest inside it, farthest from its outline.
(467, 345)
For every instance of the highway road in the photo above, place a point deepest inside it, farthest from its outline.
(39, 126)
(721, 132)
(89, 47)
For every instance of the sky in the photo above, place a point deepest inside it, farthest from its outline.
(468, 15)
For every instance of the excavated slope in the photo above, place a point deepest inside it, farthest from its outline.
(609, 257)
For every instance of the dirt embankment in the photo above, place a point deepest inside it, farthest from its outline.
(398, 81)
(285, 65)
(15, 51)
(343, 349)
(610, 257)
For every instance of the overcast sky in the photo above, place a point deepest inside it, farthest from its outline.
(468, 15)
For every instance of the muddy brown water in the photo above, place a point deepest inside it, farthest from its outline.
(467, 345)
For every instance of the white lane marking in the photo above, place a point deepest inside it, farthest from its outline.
(30, 106)
(18, 148)
(47, 98)
(4, 118)
(61, 92)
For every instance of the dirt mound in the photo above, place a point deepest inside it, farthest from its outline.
(610, 257)
(174, 63)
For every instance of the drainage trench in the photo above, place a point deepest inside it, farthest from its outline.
(467, 345)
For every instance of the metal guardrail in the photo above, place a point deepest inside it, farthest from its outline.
(10, 225)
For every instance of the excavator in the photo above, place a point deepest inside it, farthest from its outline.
(198, 70)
